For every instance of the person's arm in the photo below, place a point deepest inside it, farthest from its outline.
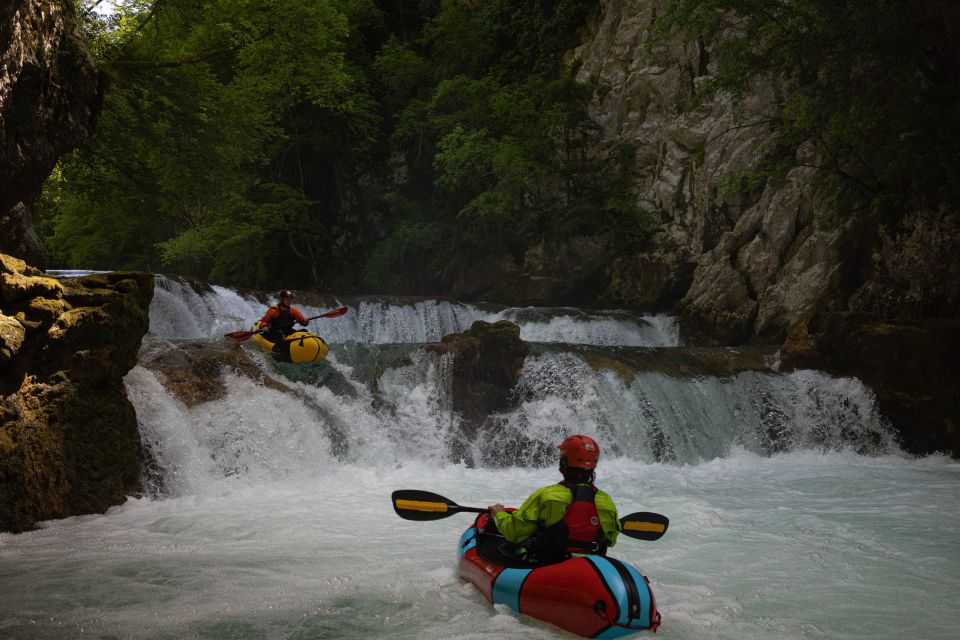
(299, 317)
(609, 519)
(267, 317)
(544, 508)
(519, 525)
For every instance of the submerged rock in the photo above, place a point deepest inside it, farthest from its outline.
(69, 440)
(193, 370)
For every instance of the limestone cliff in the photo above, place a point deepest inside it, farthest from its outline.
(69, 441)
(744, 268)
(50, 98)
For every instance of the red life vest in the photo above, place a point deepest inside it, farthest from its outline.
(584, 533)
(281, 324)
(578, 532)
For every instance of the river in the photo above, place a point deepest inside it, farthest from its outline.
(793, 513)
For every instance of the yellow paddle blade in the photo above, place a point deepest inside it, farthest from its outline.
(413, 504)
(416, 505)
(644, 525)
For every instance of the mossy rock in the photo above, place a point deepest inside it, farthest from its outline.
(17, 287)
(65, 450)
(39, 313)
(9, 264)
(12, 334)
(69, 441)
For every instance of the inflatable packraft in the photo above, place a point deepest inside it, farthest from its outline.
(592, 596)
(304, 347)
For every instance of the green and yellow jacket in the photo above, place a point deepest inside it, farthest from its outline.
(547, 506)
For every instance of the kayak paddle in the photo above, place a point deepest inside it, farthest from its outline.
(243, 336)
(412, 504)
(644, 525)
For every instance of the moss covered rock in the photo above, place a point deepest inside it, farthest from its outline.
(12, 334)
(69, 441)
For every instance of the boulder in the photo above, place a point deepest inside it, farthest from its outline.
(913, 367)
(487, 361)
(69, 439)
(193, 371)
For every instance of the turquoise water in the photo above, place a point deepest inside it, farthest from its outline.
(800, 545)
(793, 514)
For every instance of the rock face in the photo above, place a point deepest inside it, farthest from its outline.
(50, 98)
(912, 366)
(740, 268)
(69, 442)
(756, 266)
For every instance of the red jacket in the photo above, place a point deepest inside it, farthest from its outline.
(274, 311)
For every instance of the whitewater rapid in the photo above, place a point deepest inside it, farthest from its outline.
(800, 545)
(793, 513)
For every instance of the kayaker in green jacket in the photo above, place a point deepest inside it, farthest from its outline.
(560, 519)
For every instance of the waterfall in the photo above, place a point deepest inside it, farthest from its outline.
(180, 311)
(382, 398)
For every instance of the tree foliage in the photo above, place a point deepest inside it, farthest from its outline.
(257, 142)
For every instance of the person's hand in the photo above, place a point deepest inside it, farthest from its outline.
(304, 323)
(496, 508)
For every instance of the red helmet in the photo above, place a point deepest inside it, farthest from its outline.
(580, 452)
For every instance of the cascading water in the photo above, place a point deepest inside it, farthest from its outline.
(793, 513)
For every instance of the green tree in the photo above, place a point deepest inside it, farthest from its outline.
(217, 114)
(496, 135)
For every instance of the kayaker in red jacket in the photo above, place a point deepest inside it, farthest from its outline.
(279, 320)
(560, 519)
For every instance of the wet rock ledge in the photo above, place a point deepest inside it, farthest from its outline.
(68, 434)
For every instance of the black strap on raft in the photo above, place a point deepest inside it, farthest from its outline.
(600, 608)
(634, 605)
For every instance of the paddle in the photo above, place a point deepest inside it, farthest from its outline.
(243, 336)
(644, 525)
(411, 504)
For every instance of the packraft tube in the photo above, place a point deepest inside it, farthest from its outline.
(592, 596)
(304, 346)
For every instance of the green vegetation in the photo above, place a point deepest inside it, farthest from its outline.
(342, 144)
(873, 87)
(366, 145)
